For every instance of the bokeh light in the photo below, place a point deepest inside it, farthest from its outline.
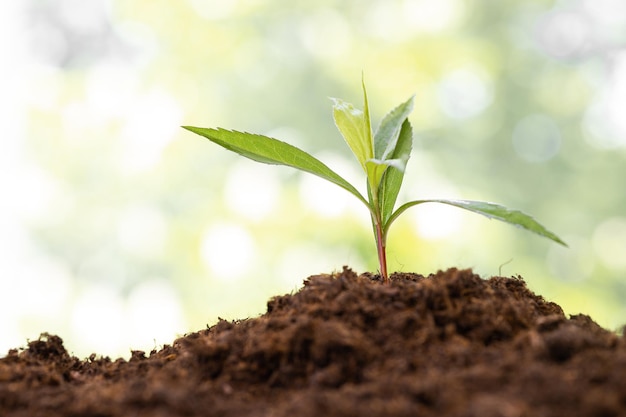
(536, 138)
(228, 251)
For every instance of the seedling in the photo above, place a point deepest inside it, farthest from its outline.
(383, 155)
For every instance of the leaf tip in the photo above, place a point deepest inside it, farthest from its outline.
(191, 128)
(560, 242)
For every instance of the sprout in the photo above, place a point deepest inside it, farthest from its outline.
(383, 156)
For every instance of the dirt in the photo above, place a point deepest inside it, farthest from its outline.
(450, 344)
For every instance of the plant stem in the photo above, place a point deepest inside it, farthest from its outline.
(382, 250)
(377, 222)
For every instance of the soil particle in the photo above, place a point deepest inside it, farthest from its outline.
(450, 344)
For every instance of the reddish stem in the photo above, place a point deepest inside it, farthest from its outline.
(382, 252)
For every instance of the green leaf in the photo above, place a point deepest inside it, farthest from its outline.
(376, 169)
(386, 136)
(351, 123)
(392, 181)
(273, 151)
(367, 119)
(492, 211)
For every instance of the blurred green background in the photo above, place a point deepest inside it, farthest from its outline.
(120, 230)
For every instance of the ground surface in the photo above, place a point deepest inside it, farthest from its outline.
(450, 344)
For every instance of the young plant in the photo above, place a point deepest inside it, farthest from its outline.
(383, 156)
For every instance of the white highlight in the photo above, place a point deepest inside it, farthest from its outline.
(465, 93)
(326, 34)
(153, 122)
(609, 243)
(228, 251)
(103, 321)
(436, 221)
(154, 314)
(251, 192)
(564, 34)
(98, 319)
(432, 16)
(214, 10)
(605, 119)
(611, 13)
(142, 230)
(396, 21)
(327, 199)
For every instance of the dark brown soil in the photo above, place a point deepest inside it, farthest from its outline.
(451, 344)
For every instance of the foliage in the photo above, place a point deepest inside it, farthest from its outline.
(383, 155)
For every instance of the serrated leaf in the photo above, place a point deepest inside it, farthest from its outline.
(490, 210)
(392, 180)
(273, 151)
(354, 127)
(386, 136)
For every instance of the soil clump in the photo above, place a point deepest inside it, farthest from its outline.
(449, 344)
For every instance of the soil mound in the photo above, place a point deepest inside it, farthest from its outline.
(450, 344)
